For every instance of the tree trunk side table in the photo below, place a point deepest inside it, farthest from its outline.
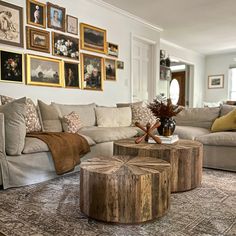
(185, 158)
(124, 189)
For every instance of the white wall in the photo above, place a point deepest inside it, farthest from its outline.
(119, 29)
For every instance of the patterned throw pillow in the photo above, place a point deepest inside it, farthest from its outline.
(32, 121)
(72, 123)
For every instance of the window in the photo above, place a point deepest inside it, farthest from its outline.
(232, 84)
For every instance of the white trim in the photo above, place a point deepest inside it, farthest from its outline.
(127, 14)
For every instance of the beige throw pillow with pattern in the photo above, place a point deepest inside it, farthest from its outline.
(72, 123)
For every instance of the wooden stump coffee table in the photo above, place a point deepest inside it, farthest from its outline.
(124, 189)
(185, 158)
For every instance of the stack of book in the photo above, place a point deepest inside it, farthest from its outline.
(165, 140)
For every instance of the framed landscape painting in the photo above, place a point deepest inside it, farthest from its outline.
(215, 81)
(11, 24)
(92, 72)
(110, 66)
(93, 38)
(65, 46)
(112, 49)
(72, 24)
(71, 75)
(36, 13)
(12, 67)
(44, 71)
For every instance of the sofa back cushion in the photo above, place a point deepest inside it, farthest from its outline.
(225, 109)
(113, 117)
(198, 117)
(129, 104)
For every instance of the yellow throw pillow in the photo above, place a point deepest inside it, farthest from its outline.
(225, 123)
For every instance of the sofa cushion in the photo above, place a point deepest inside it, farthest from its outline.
(85, 112)
(189, 132)
(113, 117)
(129, 104)
(198, 117)
(225, 109)
(71, 123)
(105, 134)
(15, 128)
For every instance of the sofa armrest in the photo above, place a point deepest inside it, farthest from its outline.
(2, 137)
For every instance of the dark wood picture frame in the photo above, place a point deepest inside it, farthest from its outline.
(67, 25)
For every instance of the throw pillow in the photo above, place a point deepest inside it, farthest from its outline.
(15, 128)
(32, 120)
(225, 123)
(71, 123)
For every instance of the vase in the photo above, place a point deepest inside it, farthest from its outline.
(167, 126)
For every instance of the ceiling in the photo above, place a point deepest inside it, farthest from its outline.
(205, 26)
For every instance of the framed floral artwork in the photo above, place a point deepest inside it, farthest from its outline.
(72, 24)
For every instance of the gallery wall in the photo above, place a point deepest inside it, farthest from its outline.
(119, 28)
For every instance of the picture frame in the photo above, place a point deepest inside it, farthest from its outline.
(11, 27)
(93, 38)
(56, 17)
(110, 67)
(12, 67)
(92, 72)
(36, 13)
(113, 49)
(165, 73)
(71, 74)
(216, 81)
(65, 46)
(72, 25)
(37, 39)
(120, 65)
(44, 71)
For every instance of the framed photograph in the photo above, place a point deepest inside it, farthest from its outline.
(165, 73)
(44, 71)
(11, 24)
(110, 66)
(120, 65)
(71, 75)
(92, 72)
(72, 24)
(93, 38)
(56, 17)
(38, 40)
(36, 13)
(12, 67)
(112, 49)
(65, 46)
(215, 81)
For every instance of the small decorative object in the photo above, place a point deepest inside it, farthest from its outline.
(164, 111)
(71, 75)
(11, 24)
(56, 17)
(44, 71)
(37, 39)
(112, 49)
(92, 72)
(120, 65)
(71, 24)
(65, 46)
(93, 38)
(36, 13)
(215, 81)
(110, 69)
(147, 132)
(12, 65)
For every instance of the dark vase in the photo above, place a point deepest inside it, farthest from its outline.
(167, 126)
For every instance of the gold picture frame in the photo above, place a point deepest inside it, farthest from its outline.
(92, 72)
(36, 13)
(112, 49)
(74, 82)
(89, 33)
(44, 71)
(110, 68)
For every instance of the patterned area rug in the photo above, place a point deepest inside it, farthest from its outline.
(52, 208)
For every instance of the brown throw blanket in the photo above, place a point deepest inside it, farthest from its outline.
(66, 149)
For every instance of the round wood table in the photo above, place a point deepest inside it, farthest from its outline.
(124, 189)
(185, 157)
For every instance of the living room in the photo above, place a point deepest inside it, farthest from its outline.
(117, 117)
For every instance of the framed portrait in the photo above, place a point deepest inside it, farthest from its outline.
(92, 72)
(72, 24)
(56, 17)
(110, 66)
(44, 71)
(65, 46)
(93, 38)
(165, 73)
(12, 67)
(11, 24)
(36, 13)
(215, 81)
(38, 40)
(112, 49)
(71, 75)
(120, 65)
